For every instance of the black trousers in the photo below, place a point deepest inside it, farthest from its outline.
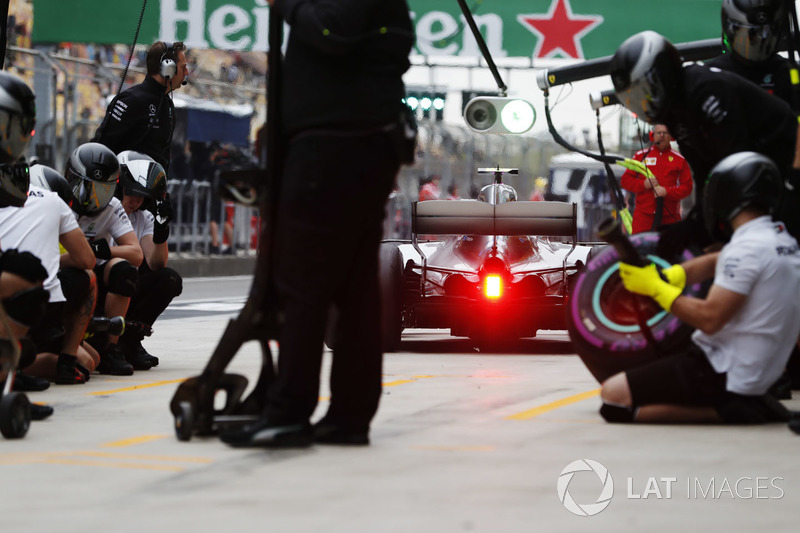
(328, 231)
(155, 289)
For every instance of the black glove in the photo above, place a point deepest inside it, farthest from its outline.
(101, 249)
(688, 233)
(164, 214)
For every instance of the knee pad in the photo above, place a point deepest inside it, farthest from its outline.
(173, 282)
(617, 413)
(28, 306)
(76, 284)
(122, 279)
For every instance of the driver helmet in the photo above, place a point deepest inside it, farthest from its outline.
(752, 29)
(50, 179)
(92, 173)
(497, 193)
(741, 180)
(646, 72)
(140, 175)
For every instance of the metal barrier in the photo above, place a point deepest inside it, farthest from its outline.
(198, 210)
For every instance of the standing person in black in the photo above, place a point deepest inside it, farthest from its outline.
(142, 117)
(751, 33)
(711, 114)
(342, 158)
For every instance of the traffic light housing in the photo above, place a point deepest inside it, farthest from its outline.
(499, 114)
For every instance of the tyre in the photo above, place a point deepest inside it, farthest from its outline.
(15, 415)
(390, 276)
(184, 422)
(603, 318)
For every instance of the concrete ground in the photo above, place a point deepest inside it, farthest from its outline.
(463, 441)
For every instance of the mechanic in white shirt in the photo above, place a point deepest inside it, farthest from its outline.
(39, 226)
(93, 172)
(143, 192)
(746, 326)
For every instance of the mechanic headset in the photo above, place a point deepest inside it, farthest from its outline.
(169, 68)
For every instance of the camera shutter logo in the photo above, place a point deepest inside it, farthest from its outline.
(587, 509)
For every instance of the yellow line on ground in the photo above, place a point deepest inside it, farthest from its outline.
(133, 466)
(146, 457)
(135, 440)
(136, 387)
(536, 411)
(398, 382)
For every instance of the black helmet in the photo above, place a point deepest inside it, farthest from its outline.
(92, 173)
(51, 179)
(14, 181)
(752, 29)
(140, 175)
(646, 72)
(17, 117)
(744, 179)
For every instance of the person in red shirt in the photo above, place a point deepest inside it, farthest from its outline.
(671, 183)
(430, 189)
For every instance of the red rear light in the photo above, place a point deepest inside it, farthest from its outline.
(493, 286)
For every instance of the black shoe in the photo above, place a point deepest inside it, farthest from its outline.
(264, 434)
(330, 433)
(138, 358)
(148, 356)
(40, 412)
(26, 383)
(67, 372)
(113, 362)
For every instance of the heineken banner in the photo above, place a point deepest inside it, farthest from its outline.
(577, 29)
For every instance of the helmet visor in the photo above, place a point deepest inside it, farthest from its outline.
(93, 196)
(14, 182)
(639, 97)
(753, 42)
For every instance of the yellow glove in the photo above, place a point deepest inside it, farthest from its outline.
(676, 276)
(636, 166)
(647, 282)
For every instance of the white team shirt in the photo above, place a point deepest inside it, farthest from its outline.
(110, 224)
(762, 261)
(143, 222)
(35, 228)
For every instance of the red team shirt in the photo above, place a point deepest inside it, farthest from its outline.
(672, 172)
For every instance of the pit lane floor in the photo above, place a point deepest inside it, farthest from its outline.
(463, 441)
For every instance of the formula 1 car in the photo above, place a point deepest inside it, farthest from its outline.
(490, 269)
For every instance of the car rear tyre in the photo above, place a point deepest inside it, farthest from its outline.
(391, 283)
(602, 317)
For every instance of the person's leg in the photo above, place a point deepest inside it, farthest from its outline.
(356, 373)
(677, 388)
(155, 290)
(116, 283)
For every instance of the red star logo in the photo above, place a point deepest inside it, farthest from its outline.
(559, 31)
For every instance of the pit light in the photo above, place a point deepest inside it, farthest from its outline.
(493, 286)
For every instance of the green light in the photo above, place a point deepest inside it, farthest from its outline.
(438, 103)
(413, 103)
(425, 103)
(518, 116)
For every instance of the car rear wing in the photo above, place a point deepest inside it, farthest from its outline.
(471, 217)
